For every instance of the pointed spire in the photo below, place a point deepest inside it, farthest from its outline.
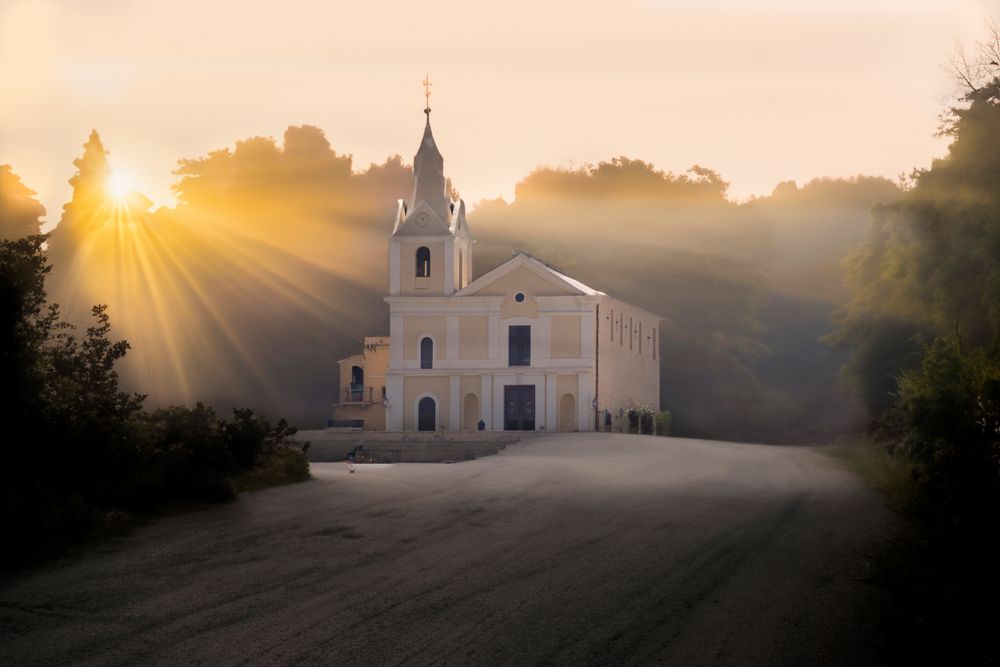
(428, 176)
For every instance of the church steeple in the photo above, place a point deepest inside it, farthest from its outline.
(428, 177)
(430, 251)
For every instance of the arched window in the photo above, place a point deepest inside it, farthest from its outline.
(357, 389)
(423, 262)
(426, 353)
(426, 414)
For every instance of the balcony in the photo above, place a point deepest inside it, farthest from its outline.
(358, 393)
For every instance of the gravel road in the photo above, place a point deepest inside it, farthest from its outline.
(566, 549)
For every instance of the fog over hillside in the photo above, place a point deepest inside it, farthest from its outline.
(273, 266)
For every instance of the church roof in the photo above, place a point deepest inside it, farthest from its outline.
(520, 258)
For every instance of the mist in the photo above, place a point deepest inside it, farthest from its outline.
(273, 264)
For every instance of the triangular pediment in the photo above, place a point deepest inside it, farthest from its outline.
(524, 269)
(422, 221)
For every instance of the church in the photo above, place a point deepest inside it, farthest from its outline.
(523, 347)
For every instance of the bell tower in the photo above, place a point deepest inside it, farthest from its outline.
(430, 251)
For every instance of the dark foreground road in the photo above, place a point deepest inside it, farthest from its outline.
(584, 549)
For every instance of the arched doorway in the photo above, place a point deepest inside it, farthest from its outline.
(470, 412)
(426, 414)
(567, 413)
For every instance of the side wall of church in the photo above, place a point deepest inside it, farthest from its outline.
(628, 359)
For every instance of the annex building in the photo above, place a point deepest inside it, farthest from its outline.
(523, 347)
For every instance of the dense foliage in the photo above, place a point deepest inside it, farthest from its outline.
(80, 451)
(924, 330)
(931, 261)
(947, 421)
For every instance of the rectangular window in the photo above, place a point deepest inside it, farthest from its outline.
(631, 334)
(519, 345)
(640, 336)
(621, 329)
(654, 343)
(612, 327)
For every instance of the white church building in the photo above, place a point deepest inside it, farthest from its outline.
(523, 347)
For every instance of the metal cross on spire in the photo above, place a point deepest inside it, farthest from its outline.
(427, 94)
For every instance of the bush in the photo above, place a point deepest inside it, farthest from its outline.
(946, 424)
(80, 454)
(284, 465)
(663, 420)
(947, 421)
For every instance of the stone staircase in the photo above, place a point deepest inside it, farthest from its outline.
(333, 444)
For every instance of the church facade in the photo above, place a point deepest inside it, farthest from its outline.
(523, 347)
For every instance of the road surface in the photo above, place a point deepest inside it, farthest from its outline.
(566, 549)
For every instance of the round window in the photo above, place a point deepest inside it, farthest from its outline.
(519, 297)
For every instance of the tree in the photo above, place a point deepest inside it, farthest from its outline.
(947, 421)
(20, 212)
(80, 221)
(979, 69)
(930, 265)
(68, 421)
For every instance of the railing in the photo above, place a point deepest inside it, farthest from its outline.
(360, 394)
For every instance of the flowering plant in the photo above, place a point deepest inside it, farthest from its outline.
(640, 409)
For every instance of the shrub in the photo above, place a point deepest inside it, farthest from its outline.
(283, 465)
(947, 421)
(663, 420)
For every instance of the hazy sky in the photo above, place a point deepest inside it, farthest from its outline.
(760, 91)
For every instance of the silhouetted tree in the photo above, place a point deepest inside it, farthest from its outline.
(84, 218)
(67, 418)
(20, 212)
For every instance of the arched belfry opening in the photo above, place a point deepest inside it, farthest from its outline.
(423, 260)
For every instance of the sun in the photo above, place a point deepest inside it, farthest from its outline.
(119, 184)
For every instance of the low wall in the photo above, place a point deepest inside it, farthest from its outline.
(395, 447)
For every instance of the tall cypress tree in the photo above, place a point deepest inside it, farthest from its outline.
(81, 218)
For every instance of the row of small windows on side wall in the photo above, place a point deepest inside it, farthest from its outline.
(633, 331)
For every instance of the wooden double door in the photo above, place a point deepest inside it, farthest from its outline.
(519, 407)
